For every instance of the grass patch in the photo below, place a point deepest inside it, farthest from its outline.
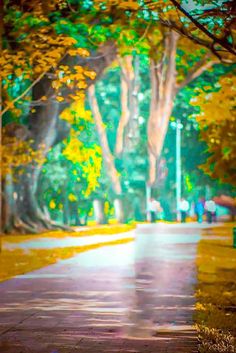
(216, 291)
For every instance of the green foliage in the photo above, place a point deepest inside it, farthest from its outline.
(70, 174)
(38, 37)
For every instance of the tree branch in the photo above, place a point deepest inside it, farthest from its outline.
(122, 69)
(199, 68)
(23, 93)
(215, 39)
(197, 40)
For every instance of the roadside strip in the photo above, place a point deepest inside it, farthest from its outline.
(18, 258)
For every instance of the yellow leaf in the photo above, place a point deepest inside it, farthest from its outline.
(52, 204)
(18, 72)
(72, 198)
(59, 98)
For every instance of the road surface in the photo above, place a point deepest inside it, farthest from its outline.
(135, 297)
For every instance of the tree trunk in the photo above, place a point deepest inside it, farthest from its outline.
(8, 203)
(148, 197)
(163, 86)
(20, 208)
(124, 114)
(119, 212)
(106, 152)
(164, 89)
(45, 129)
(98, 206)
(128, 129)
(132, 131)
(75, 213)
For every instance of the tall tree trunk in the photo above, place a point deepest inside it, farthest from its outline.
(106, 152)
(132, 131)
(98, 206)
(163, 86)
(20, 209)
(124, 118)
(127, 132)
(127, 77)
(45, 129)
(164, 89)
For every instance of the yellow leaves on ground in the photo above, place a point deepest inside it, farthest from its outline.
(216, 289)
(15, 261)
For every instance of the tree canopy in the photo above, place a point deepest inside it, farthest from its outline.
(53, 58)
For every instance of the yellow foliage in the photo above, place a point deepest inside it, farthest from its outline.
(76, 111)
(52, 204)
(218, 106)
(59, 99)
(217, 121)
(72, 197)
(18, 153)
(106, 207)
(80, 51)
(129, 5)
(73, 151)
(90, 160)
(39, 51)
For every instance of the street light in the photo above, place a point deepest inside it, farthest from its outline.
(178, 127)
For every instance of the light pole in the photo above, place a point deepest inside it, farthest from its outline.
(178, 127)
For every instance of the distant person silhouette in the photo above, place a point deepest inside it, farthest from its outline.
(199, 210)
(184, 208)
(154, 207)
(210, 208)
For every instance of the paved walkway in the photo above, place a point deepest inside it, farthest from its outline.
(68, 241)
(135, 297)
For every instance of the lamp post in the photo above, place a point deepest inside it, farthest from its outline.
(178, 127)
